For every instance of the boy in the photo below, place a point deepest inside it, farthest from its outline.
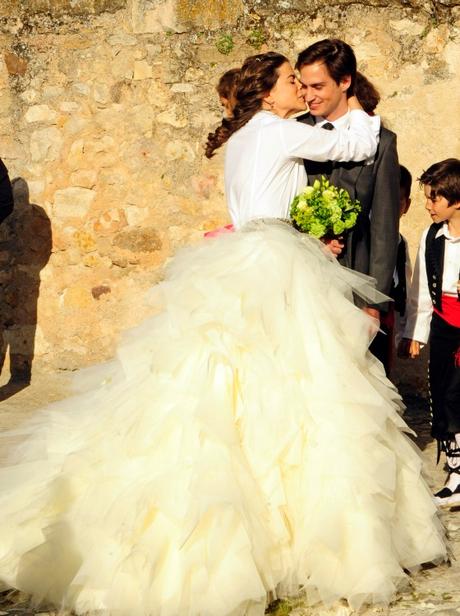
(226, 89)
(403, 270)
(434, 314)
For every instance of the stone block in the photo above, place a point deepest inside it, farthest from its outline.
(158, 94)
(84, 241)
(142, 70)
(122, 40)
(69, 106)
(75, 298)
(194, 74)
(183, 88)
(122, 65)
(102, 93)
(45, 144)
(139, 240)
(135, 215)
(10, 8)
(102, 289)
(212, 14)
(14, 64)
(179, 150)
(437, 39)
(81, 88)
(407, 27)
(71, 7)
(173, 117)
(161, 17)
(73, 202)
(110, 221)
(29, 96)
(41, 113)
(36, 188)
(84, 178)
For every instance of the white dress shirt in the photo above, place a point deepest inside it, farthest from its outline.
(341, 123)
(264, 168)
(419, 305)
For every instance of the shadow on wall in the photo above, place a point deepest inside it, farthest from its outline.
(25, 248)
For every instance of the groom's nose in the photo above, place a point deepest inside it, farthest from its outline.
(303, 89)
(307, 93)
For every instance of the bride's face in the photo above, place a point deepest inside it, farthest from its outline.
(285, 97)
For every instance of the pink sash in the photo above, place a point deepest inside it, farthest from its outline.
(219, 231)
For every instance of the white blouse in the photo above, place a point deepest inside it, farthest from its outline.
(264, 160)
(419, 304)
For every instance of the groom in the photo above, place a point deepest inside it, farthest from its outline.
(327, 72)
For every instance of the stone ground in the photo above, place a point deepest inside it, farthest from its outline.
(432, 591)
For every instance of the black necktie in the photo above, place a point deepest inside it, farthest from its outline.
(328, 126)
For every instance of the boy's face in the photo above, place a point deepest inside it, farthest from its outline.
(438, 207)
(227, 106)
(404, 202)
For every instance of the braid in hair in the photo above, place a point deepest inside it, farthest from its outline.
(258, 76)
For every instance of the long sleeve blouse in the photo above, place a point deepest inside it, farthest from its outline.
(264, 167)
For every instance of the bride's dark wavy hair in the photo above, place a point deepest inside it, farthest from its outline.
(258, 76)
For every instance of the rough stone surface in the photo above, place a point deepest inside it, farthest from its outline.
(60, 7)
(104, 109)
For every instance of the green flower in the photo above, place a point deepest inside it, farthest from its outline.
(324, 209)
(317, 229)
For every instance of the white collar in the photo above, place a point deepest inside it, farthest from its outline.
(341, 122)
(444, 230)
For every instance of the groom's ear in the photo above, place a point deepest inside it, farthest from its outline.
(345, 83)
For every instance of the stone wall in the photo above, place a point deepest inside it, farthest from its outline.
(104, 109)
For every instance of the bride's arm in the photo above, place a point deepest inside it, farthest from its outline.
(356, 142)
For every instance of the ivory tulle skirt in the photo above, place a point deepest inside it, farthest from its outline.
(244, 445)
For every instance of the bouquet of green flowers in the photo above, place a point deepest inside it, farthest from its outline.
(324, 210)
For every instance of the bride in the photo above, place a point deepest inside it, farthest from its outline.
(244, 445)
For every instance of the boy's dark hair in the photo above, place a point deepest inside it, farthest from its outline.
(338, 57)
(228, 83)
(366, 92)
(405, 180)
(444, 180)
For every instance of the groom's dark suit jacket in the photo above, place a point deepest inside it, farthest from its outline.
(372, 245)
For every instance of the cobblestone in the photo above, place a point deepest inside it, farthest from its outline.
(433, 591)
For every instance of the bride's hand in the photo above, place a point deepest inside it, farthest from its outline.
(353, 103)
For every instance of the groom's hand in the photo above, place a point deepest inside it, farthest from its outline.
(335, 247)
(372, 312)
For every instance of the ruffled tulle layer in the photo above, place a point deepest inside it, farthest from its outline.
(243, 445)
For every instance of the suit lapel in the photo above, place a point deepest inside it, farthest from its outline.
(346, 176)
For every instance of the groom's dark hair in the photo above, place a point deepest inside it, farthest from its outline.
(337, 55)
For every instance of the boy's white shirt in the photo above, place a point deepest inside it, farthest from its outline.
(419, 304)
